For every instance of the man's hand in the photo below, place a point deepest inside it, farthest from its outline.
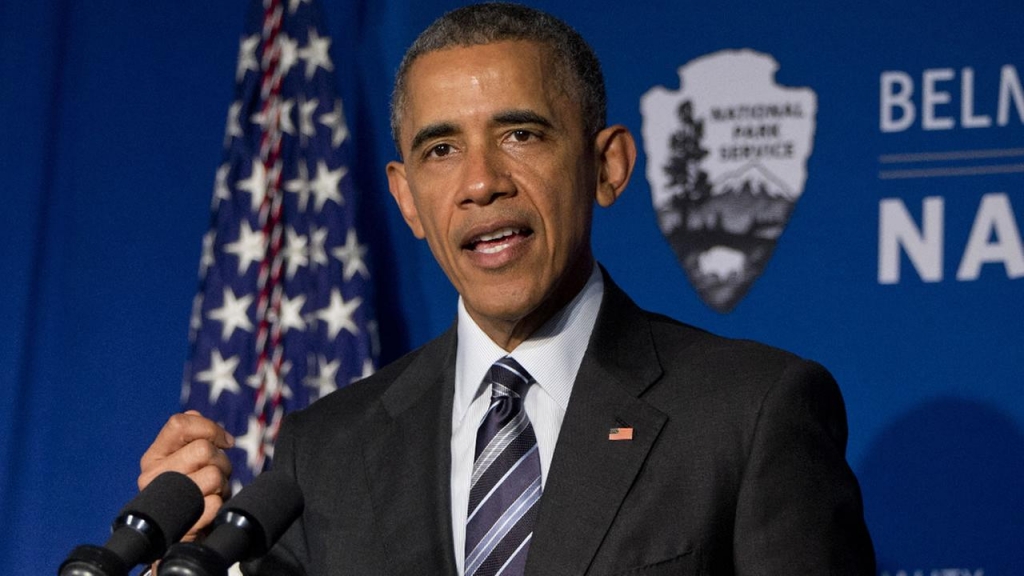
(192, 445)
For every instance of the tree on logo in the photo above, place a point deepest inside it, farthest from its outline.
(683, 168)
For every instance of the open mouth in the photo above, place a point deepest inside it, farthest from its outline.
(498, 240)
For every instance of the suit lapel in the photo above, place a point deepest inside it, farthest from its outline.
(590, 474)
(409, 461)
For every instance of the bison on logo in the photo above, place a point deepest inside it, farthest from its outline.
(726, 161)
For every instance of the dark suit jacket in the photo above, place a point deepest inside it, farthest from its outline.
(736, 465)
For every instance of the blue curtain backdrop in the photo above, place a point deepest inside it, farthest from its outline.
(112, 116)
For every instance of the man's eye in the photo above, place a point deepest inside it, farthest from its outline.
(522, 135)
(440, 150)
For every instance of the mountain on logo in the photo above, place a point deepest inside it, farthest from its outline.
(747, 202)
(755, 179)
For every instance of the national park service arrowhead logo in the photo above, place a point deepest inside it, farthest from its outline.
(726, 161)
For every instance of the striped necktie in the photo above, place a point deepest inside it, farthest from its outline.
(505, 486)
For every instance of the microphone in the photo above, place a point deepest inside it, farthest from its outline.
(246, 527)
(160, 514)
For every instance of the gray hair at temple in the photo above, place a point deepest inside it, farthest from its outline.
(576, 64)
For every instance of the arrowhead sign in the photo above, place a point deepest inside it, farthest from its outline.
(726, 162)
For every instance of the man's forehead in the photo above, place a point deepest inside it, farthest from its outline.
(507, 74)
(520, 55)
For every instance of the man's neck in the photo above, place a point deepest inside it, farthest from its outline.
(510, 334)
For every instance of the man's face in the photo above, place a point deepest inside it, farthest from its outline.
(498, 178)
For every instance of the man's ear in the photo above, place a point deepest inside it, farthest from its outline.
(399, 187)
(615, 152)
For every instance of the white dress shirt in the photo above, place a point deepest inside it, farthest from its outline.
(552, 355)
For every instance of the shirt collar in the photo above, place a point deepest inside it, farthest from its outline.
(552, 355)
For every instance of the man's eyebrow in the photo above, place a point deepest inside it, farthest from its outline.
(503, 118)
(508, 117)
(439, 130)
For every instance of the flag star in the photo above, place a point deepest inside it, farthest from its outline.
(335, 120)
(351, 256)
(325, 184)
(220, 375)
(306, 109)
(291, 313)
(277, 387)
(338, 314)
(295, 252)
(368, 371)
(247, 56)
(293, 5)
(261, 118)
(195, 320)
(315, 53)
(326, 379)
(251, 442)
(289, 48)
(300, 185)
(317, 240)
(221, 191)
(268, 450)
(287, 126)
(250, 247)
(186, 384)
(234, 128)
(283, 114)
(207, 259)
(232, 313)
(255, 184)
(273, 382)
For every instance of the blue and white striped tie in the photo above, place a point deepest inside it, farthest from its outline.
(505, 487)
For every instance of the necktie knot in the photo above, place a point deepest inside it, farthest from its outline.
(508, 378)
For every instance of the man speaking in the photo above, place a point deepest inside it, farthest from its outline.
(555, 428)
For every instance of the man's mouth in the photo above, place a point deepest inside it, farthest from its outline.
(498, 240)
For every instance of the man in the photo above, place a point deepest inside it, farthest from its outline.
(630, 443)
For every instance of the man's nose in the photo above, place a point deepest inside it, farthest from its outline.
(487, 176)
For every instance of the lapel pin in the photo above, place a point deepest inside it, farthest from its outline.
(620, 433)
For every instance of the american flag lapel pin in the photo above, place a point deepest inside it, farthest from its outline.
(621, 432)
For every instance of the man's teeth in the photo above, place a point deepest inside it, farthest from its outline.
(492, 249)
(490, 243)
(498, 235)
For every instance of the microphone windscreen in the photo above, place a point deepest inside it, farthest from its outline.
(172, 502)
(273, 501)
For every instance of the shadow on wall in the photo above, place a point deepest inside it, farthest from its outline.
(944, 489)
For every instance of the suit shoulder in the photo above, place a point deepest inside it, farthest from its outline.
(739, 383)
(700, 352)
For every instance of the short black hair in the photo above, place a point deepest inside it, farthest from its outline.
(478, 24)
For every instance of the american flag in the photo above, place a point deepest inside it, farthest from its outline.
(284, 313)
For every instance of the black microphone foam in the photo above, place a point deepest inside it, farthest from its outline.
(159, 515)
(270, 504)
(171, 504)
(246, 527)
